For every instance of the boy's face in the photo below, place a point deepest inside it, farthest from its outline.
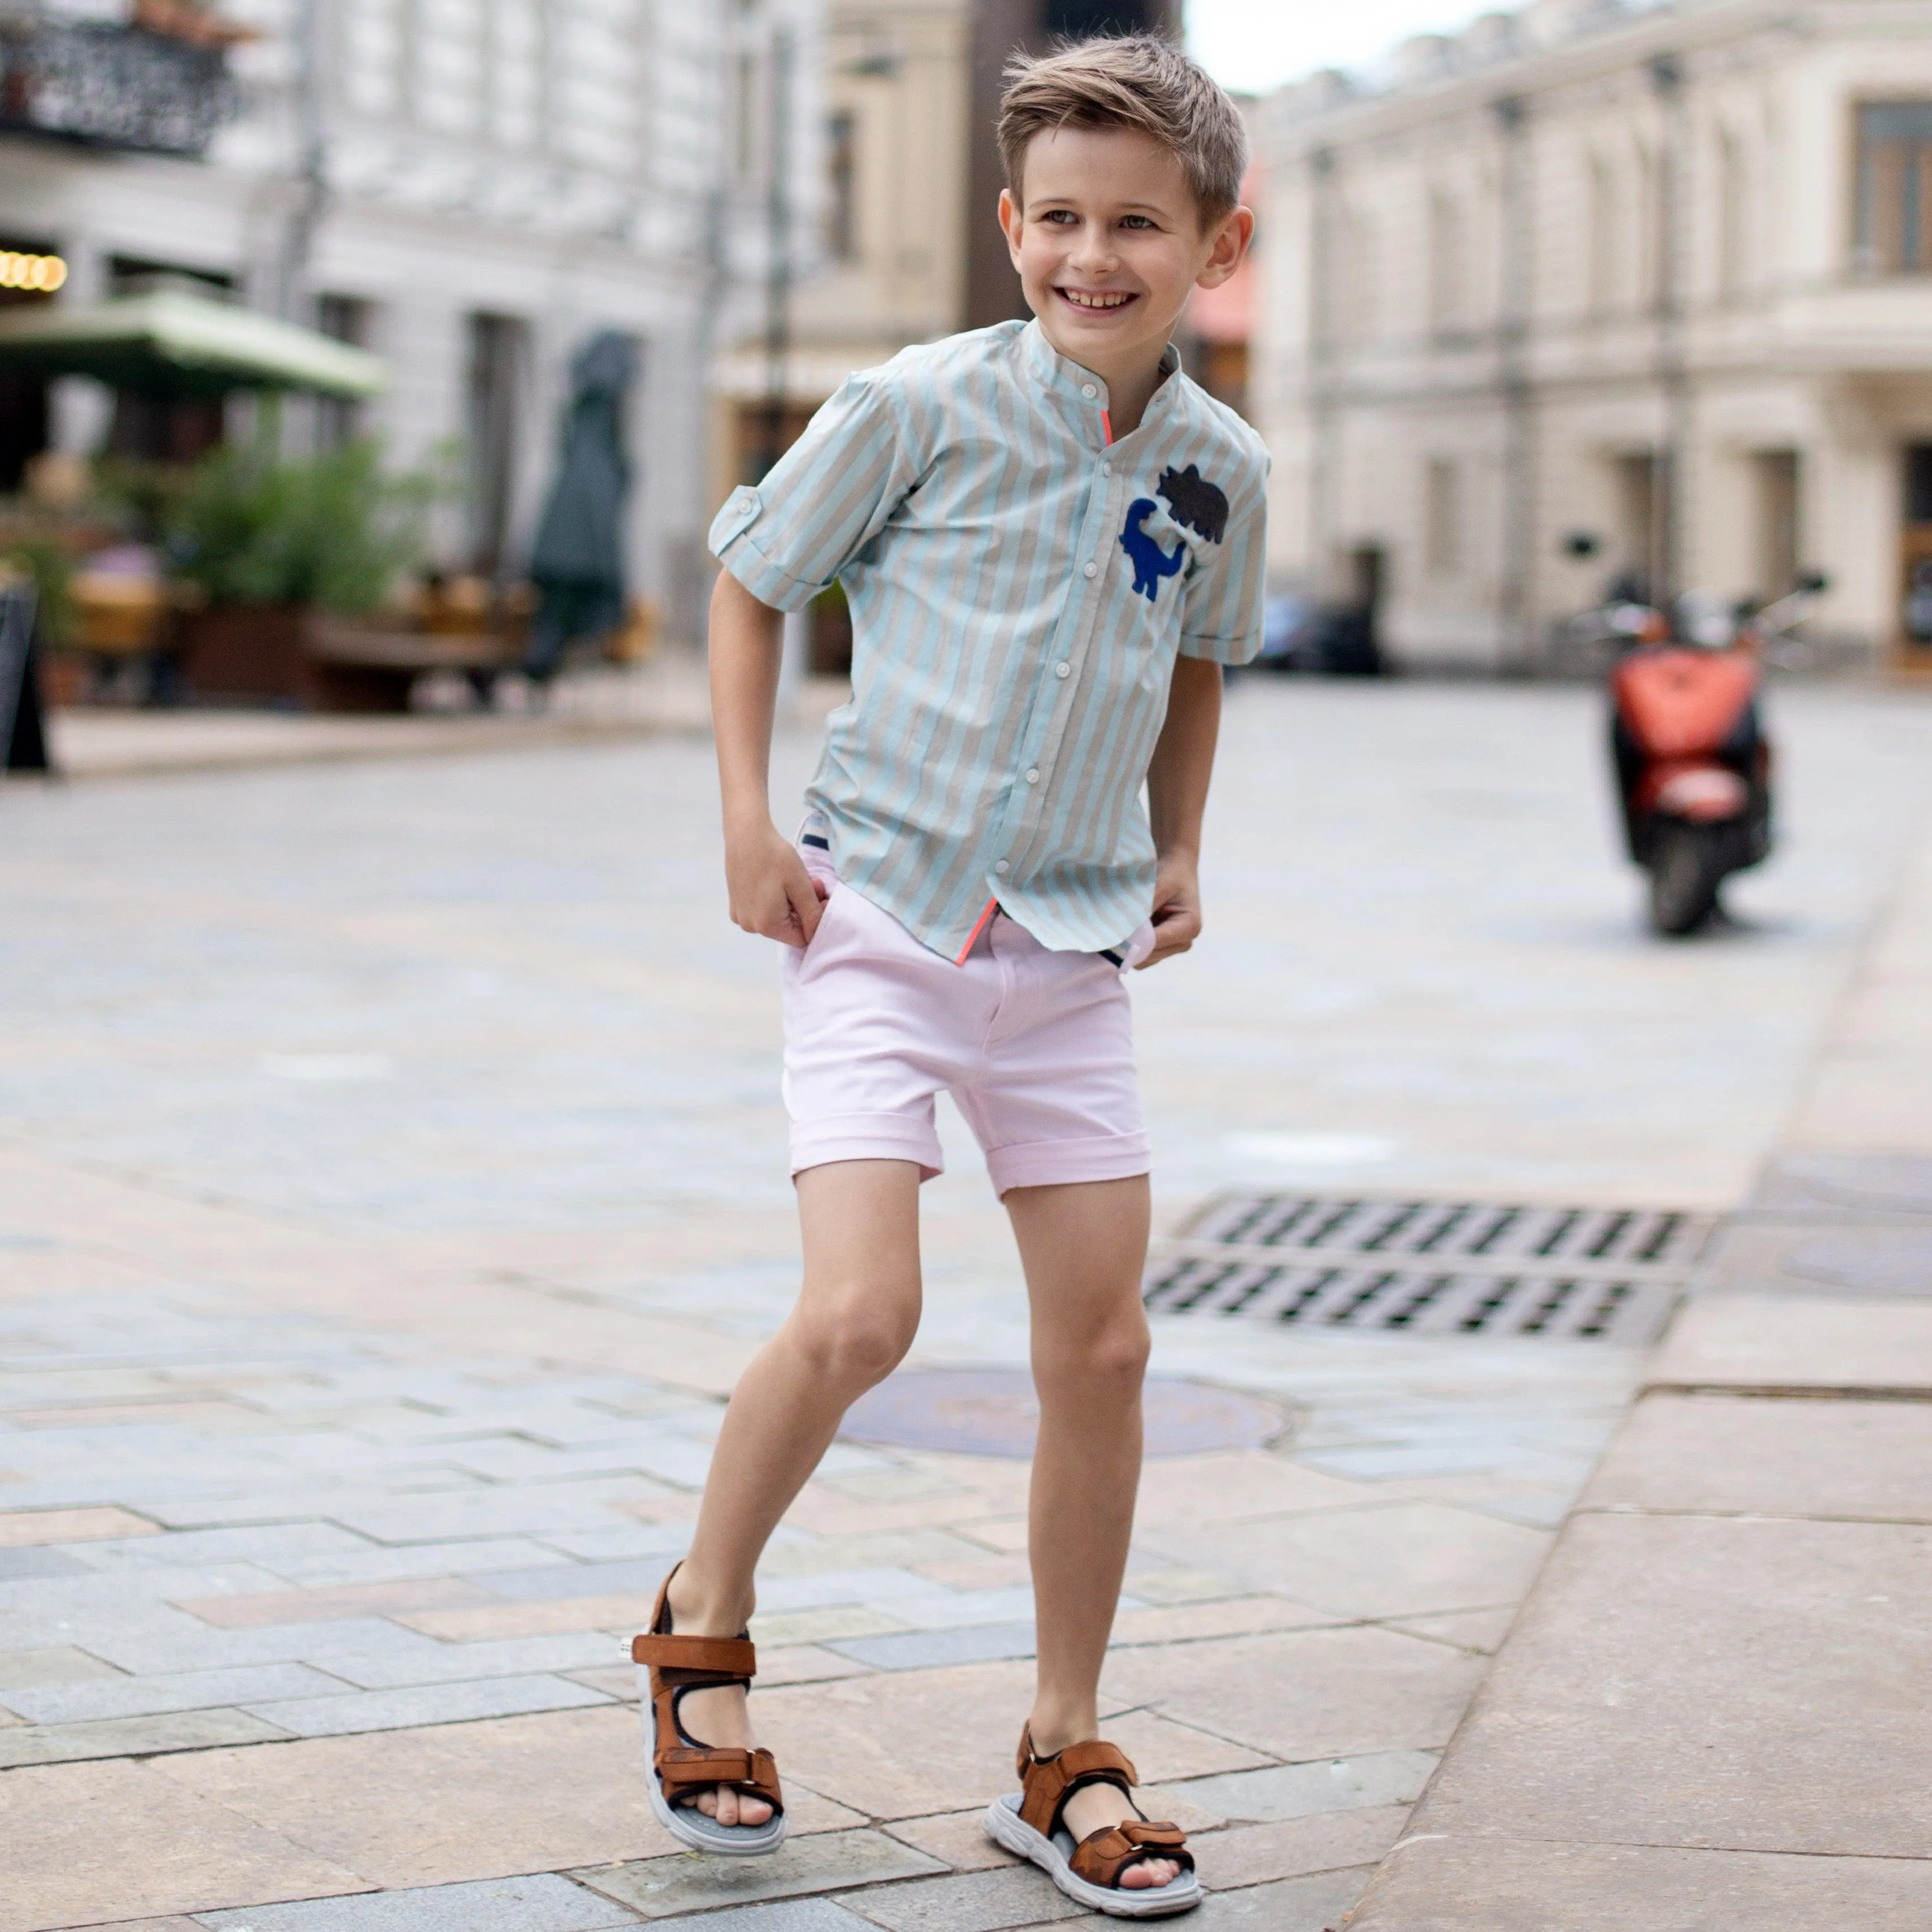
(1109, 242)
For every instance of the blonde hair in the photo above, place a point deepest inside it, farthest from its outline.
(1134, 82)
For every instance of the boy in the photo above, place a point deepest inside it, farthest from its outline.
(1051, 542)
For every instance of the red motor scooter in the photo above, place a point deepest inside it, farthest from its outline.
(1692, 765)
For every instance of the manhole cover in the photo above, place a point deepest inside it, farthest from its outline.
(993, 1412)
(1430, 1266)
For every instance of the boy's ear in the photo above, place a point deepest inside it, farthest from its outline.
(1010, 221)
(1231, 242)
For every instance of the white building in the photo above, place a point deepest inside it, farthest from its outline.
(469, 188)
(1588, 292)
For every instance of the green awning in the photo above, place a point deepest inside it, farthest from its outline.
(175, 344)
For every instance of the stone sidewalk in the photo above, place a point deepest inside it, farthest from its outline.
(389, 1195)
(1716, 1707)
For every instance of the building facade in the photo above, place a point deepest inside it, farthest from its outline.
(1590, 299)
(470, 188)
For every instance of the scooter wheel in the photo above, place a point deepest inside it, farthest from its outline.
(1684, 876)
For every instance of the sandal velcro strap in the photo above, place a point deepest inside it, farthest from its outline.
(727, 1657)
(1047, 1782)
(702, 1768)
(1102, 1855)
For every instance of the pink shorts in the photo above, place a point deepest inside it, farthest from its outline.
(1036, 1047)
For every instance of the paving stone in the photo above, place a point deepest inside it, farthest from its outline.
(921, 1650)
(1299, 1695)
(1234, 1616)
(18, 1564)
(805, 1915)
(118, 1697)
(60, 1664)
(268, 1547)
(981, 1901)
(1481, 1632)
(1248, 1855)
(452, 1802)
(1498, 1884)
(495, 1512)
(1402, 1559)
(157, 1640)
(543, 1617)
(1656, 1665)
(955, 1838)
(133, 1737)
(1796, 1343)
(478, 1559)
(91, 1843)
(1863, 1460)
(794, 1626)
(351, 1599)
(424, 1704)
(563, 1578)
(662, 1889)
(1235, 1487)
(451, 1663)
(543, 1903)
(1279, 1791)
(73, 1525)
(1319, 1903)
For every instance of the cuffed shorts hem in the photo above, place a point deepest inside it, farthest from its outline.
(1060, 1163)
(866, 1137)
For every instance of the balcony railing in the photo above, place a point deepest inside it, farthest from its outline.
(113, 86)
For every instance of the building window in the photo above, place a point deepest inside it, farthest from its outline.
(1894, 211)
(1733, 214)
(1442, 517)
(1781, 530)
(339, 419)
(1448, 265)
(842, 151)
(1602, 240)
(499, 358)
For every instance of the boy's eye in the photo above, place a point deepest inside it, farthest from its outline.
(1060, 216)
(1136, 221)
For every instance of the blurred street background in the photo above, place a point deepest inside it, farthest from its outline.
(391, 1162)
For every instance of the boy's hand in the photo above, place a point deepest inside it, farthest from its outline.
(772, 893)
(1176, 908)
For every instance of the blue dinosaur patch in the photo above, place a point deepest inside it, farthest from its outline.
(1151, 563)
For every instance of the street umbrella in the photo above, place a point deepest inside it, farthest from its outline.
(172, 344)
(578, 564)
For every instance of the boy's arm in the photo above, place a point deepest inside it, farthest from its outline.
(1177, 775)
(771, 892)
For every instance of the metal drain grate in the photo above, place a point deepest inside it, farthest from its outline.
(1430, 1266)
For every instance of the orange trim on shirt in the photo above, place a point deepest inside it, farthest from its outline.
(1107, 424)
(992, 907)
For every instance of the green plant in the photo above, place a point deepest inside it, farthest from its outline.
(41, 557)
(246, 527)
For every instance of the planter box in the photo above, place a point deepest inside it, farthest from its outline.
(245, 650)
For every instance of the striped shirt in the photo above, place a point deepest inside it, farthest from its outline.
(1020, 583)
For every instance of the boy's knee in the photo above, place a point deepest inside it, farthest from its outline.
(1115, 1354)
(853, 1341)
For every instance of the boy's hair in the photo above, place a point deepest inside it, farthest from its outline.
(1133, 81)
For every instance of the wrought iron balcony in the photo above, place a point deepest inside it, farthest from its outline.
(112, 86)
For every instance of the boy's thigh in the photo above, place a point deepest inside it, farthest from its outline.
(874, 1027)
(1057, 1101)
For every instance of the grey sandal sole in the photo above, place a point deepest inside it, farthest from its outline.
(689, 1826)
(1006, 1828)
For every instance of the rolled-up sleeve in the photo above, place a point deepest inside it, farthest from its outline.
(1222, 619)
(824, 501)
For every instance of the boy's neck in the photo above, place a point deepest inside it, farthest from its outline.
(1131, 381)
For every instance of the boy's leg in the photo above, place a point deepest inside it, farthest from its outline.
(857, 1315)
(1084, 1247)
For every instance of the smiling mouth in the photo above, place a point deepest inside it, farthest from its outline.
(1097, 302)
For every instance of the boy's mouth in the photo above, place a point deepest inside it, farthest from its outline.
(1096, 302)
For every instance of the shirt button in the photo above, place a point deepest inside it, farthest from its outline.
(1089, 570)
(1033, 778)
(1063, 670)
(1001, 866)
(1088, 390)
(1106, 469)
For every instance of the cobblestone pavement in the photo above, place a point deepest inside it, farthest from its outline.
(391, 1187)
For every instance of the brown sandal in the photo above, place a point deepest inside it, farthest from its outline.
(1029, 1822)
(682, 1769)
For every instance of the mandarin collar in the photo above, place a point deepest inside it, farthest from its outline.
(1071, 380)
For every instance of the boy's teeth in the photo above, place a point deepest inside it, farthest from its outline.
(1093, 301)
